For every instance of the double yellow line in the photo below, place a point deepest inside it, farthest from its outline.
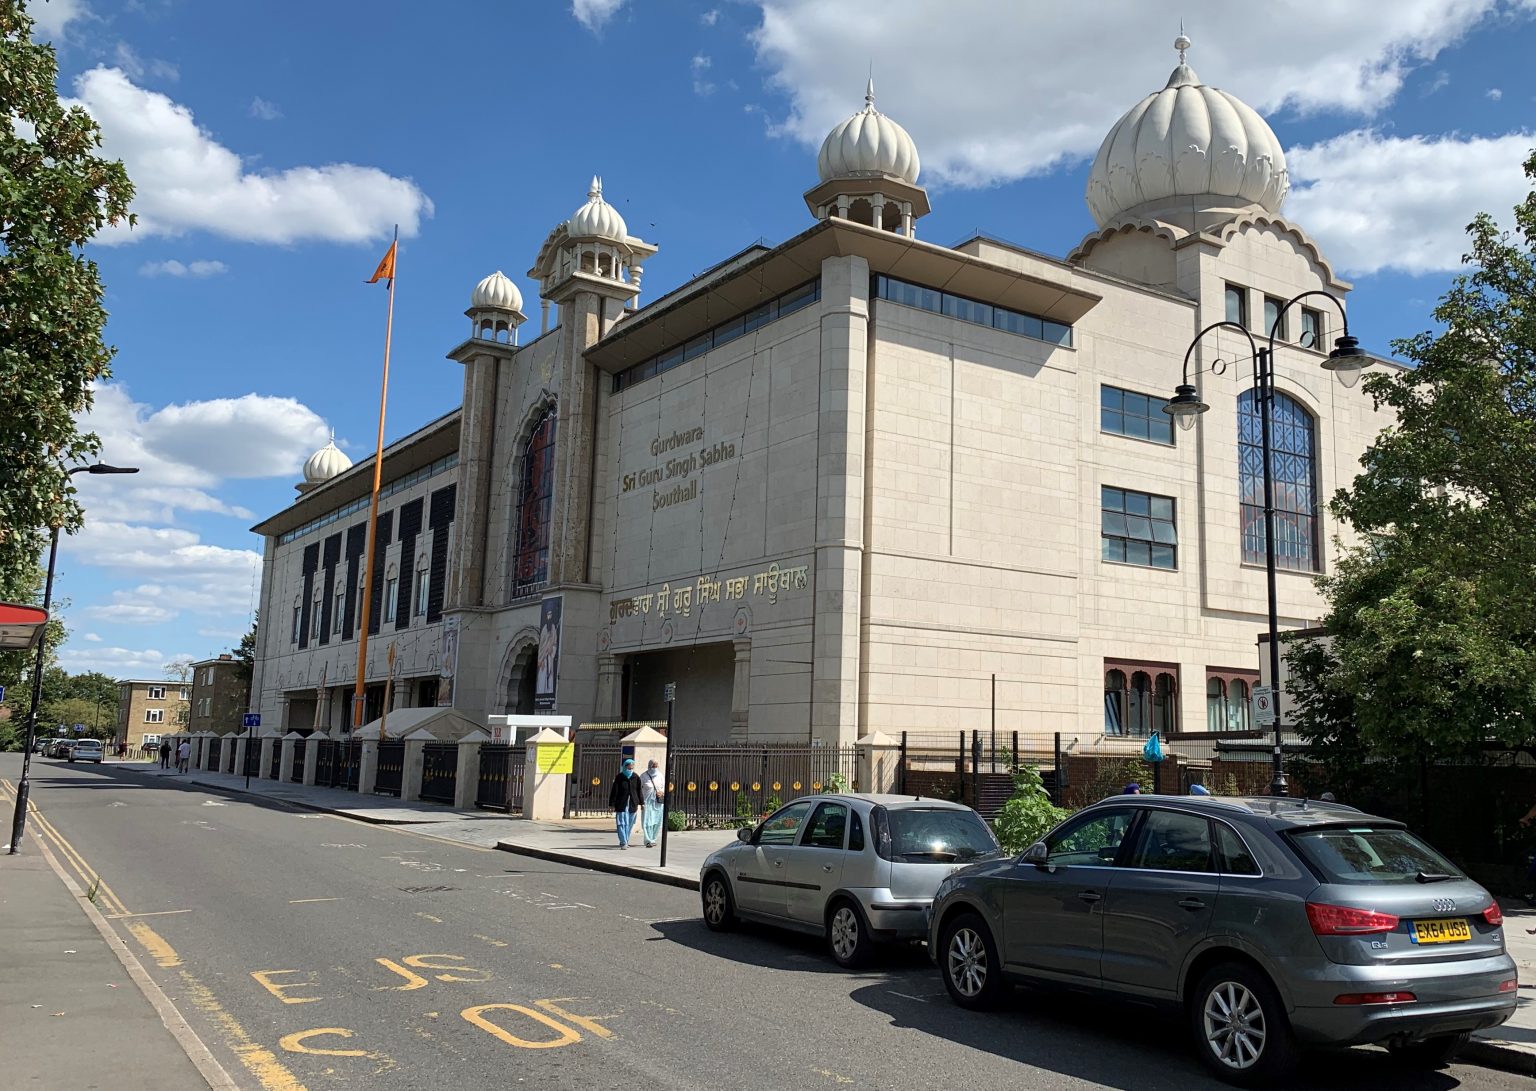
(89, 879)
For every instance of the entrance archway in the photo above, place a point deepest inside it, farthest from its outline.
(518, 673)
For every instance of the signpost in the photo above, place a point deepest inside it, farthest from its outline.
(250, 721)
(1263, 705)
(669, 691)
(2, 693)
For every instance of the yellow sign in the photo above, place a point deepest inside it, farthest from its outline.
(557, 759)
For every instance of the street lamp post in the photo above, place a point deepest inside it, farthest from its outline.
(1346, 361)
(19, 818)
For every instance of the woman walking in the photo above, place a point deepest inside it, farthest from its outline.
(653, 789)
(624, 799)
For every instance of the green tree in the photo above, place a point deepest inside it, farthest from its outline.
(1029, 812)
(56, 193)
(245, 651)
(1432, 615)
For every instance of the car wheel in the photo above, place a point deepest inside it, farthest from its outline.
(968, 961)
(1240, 1027)
(847, 938)
(1434, 1052)
(719, 907)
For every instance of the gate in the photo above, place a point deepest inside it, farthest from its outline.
(325, 761)
(252, 758)
(296, 769)
(500, 787)
(215, 752)
(726, 783)
(391, 769)
(439, 771)
(596, 764)
(349, 765)
(276, 764)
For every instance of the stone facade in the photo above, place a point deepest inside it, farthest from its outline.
(151, 707)
(220, 695)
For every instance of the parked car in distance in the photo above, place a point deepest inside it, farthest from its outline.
(59, 748)
(859, 869)
(1275, 924)
(87, 750)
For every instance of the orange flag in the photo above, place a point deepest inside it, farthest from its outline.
(386, 269)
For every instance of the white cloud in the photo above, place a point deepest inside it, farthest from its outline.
(1494, 93)
(131, 613)
(263, 110)
(710, 17)
(127, 58)
(53, 16)
(119, 662)
(1057, 79)
(700, 66)
(187, 181)
(1378, 202)
(174, 268)
(92, 637)
(592, 14)
(1439, 83)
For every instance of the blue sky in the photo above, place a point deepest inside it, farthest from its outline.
(275, 146)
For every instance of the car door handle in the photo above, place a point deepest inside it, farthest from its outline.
(1191, 904)
(826, 867)
(1089, 896)
(778, 863)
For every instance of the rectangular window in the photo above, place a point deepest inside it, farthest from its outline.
(970, 310)
(154, 715)
(391, 597)
(423, 585)
(157, 693)
(1237, 305)
(314, 619)
(1311, 335)
(1272, 315)
(1138, 528)
(298, 624)
(1140, 416)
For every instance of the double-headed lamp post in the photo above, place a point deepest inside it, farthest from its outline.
(1346, 361)
(19, 819)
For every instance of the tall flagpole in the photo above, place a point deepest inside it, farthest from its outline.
(373, 499)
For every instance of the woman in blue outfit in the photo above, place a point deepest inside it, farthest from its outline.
(625, 799)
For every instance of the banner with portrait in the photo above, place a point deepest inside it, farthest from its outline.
(547, 676)
(448, 664)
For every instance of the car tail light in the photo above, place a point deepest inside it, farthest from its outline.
(1341, 920)
(1509, 986)
(1494, 915)
(1356, 999)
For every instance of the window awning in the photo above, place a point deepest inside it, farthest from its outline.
(21, 627)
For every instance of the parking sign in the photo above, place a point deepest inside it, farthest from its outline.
(251, 719)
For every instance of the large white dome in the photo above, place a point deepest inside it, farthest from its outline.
(497, 292)
(868, 143)
(325, 464)
(1187, 141)
(598, 217)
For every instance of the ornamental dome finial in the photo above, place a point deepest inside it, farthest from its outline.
(869, 143)
(597, 217)
(496, 292)
(326, 463)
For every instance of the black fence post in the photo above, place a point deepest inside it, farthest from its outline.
(1016, 761)
(1058, 788)
(901, 775)
(975, 768)
(960, 772)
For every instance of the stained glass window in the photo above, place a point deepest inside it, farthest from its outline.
(1293, 443)
(535, 503)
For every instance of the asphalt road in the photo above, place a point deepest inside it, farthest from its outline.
(316, 952)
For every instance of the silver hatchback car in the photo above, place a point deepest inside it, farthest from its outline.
(860, 869)
(1273, 923)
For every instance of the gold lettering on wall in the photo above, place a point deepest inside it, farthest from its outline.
(679, 601)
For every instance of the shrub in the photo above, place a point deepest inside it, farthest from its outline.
(1029, 812)
(837, 783)
(677, 821)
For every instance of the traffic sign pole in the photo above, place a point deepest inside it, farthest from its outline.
(667, 783)
(251, 721)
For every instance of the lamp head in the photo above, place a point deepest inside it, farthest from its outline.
(1185, 406)
(1347, 360)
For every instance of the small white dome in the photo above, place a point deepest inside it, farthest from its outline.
(325, 464)
(1187, 140)
(598, 217)
(868, 143)
(497, 292)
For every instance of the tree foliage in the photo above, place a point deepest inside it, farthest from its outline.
(1029, 812)
(56, 193)
(245, 652)
(1432, 615)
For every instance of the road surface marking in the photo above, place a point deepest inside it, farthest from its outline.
(294, 1043)
(567, 1036)
(163, 953)
(257, 1059)
(279, 989)
(156, 913)
(413, 981)
(307, 901)
(430, 917)
(492, 942)
(585, 1022)
(420, 962)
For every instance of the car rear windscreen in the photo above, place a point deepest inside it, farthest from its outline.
(924, 835)
(1370, 854)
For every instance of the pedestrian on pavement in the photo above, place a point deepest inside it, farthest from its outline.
(165, 753)
(183, 756)
(652, 792)
(624, 799)
(1131, 789)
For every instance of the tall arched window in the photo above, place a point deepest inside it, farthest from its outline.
(1114, 702)
(1215, 704)
(1293, 439)
(1138, 720)
(1238, 713)
(535, 501)
(1165, 704)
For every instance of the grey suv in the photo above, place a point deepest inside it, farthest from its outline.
(1273, 923)
(856, 868)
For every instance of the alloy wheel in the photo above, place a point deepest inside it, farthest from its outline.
(714, 902)
(968, 962)
(1233, 1021)
(845, 933)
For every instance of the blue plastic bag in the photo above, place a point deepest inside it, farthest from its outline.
(1153, 751)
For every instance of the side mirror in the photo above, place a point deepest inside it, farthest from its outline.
(1036, 854)
(744, 834)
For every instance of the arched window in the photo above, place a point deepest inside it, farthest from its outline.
(423, 585)
(1215, 705)
(1165, 704)
(1293, 441)
(391, 593)
(1138, 720)
(535, 501)
(1114, 702)
(1238, 709)
(298, 618)
(339, 607)
(314, 616)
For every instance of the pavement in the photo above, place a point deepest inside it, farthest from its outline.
(250, 909)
